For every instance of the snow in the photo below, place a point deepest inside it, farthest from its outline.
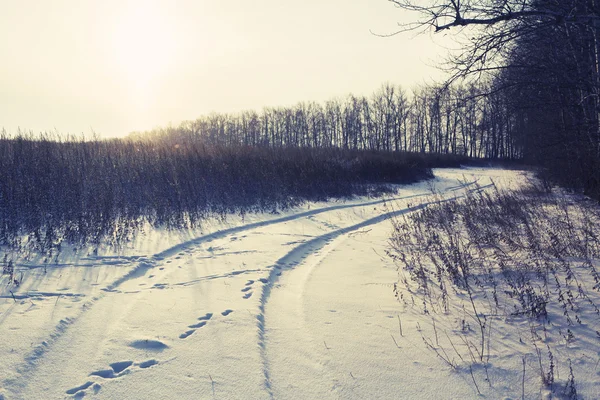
(288, 306)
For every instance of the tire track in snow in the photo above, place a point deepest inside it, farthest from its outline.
(293, 259)
(242, 228)
(143, 264)
(300, 253)
(146, 264)
(32, 359)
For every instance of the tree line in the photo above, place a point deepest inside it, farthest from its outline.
(443, 119)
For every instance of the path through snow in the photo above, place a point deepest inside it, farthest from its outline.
(292, 306)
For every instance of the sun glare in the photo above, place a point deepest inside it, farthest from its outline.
(144, 45)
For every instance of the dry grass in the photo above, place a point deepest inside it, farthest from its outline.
(496, 261)
(54, 191)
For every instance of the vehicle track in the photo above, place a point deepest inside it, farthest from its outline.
(307, 256)
(142, 265)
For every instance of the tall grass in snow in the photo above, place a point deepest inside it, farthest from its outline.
(79, 191)
(499, 262)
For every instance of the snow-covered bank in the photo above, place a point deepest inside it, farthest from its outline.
(297, 305)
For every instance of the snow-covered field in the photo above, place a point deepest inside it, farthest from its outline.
(291, 306)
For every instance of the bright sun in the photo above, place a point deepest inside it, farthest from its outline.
(144, 45)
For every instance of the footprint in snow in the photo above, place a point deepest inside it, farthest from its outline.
(147, 364)
(80, 388)
(246, 289)
(185, 334)
(203, 320)
(116, 370)
(247, 295)
(120, 366)
(148, 344)
(226, 312)
(205, 317)
(198, 325)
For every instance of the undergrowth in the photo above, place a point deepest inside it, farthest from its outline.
(55, 191)
(499, 258)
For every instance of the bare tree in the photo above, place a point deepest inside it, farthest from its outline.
(544, 53)
(496, 25)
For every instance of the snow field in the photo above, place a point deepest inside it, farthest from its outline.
(298, 305)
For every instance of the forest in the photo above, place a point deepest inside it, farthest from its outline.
(542, 61)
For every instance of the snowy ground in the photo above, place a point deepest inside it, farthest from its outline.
(290, 306)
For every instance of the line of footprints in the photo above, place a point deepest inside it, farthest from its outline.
(121, 368)
(203, 320)
(124, 367)
(247, 289)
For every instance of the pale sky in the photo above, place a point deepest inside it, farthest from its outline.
(118, 66)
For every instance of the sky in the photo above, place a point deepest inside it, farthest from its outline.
(113, 67)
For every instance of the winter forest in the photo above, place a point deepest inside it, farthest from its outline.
(433, 240)
(459, 120)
